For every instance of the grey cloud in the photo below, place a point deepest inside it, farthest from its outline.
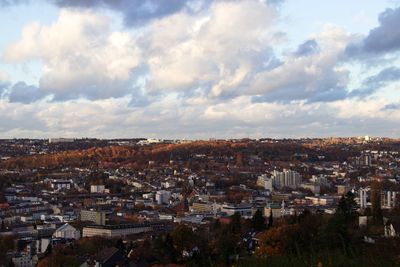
(139, 12)
(23, 93)
(4, 3)
(135, 12)
(3, 85)
(307, 48)
(374, 83)
(382, 39)
(288, 94)
(393, 106)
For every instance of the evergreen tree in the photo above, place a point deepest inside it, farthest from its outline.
(376, 189)
(270, 219)
(258, 221)
(347, 208)
(235, 225)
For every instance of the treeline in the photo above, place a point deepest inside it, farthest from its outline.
(139, 157)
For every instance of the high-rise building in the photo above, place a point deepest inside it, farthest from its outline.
(286, 178)
(363, 198)
(265, 182)
(389, 199)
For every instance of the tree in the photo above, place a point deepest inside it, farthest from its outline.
(278, 240)
(270, 219)
(120, 244)
(235, 225)
(258, 221)
(347, 208)
(49, 250)
(183, 238)
(376, 189)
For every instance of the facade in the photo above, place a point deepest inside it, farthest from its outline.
(98, 217)
(389, 199)
(120, 230)
(275, 209)
(201, 207)
(312, 187)
(245, 210)
(163, 196)
(265, 182)
(97, 189)
(392, 229)
(67, 232)
(286, 178)
(343, 189)
(59, 184)
(323, 201)
(363, 198)
(24, 261)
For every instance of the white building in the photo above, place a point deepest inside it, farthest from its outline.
(121, 230)
(168, 184)
(97, 188)
(389, 199)
(67, 232)
(163, 196)
(59, 184)
(315, 188)
(265, 182)
(61, 140)
(286, 178)
(363, 198)
(320, 180)
(245, 210)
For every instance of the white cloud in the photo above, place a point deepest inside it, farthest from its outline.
(316, 76)
(3, 77)
(211, 73)
(82, 57)
(178, 118)
(216, 50)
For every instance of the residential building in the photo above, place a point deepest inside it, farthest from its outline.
(286, 178)
(67, 232)
(98, 217)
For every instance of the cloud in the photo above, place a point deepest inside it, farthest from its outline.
(383, 39)
(216, 52)
(141, 12)
(376, 82)
(197, 118)
(306, 48)
(5, 3)
(81, 56)
(4, 83)
(135, 12)
(392, 106)
(222, 54)
(23, 93)
(309, 74)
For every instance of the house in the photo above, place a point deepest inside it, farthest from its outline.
(59, 184)
(392, 228)
(67, 231)
(108, 257)
(24, 260)
(244, 210)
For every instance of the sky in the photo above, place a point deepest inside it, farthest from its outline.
(199, 69)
